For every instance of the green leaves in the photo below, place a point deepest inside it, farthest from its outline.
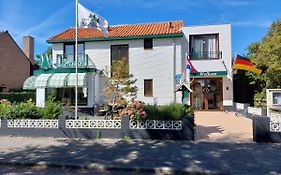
(267, 55)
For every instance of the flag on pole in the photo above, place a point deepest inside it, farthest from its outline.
(87, 18)
(244, 63)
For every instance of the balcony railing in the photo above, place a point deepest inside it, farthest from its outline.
(202, 55)
(68, 61)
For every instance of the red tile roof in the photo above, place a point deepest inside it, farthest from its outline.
(127, 30)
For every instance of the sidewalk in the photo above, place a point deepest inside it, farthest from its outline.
(144, 156)
(219, 126)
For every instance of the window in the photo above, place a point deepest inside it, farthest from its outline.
(148, 88)
(67, 95)
(204, 47)
(69, 51)
(119, 52)
(70, 48)
(276, 98)
(148, 43)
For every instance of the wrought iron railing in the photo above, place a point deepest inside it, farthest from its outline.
(68, 61)
(202, 55)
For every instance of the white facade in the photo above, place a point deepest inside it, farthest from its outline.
(224, 33)
(162, 64)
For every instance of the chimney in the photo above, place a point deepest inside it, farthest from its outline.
(28, 47)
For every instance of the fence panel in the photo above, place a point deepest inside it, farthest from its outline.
(156, 124)
(88, 124)
(30, 123)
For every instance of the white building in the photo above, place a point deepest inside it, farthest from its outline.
(156, 57)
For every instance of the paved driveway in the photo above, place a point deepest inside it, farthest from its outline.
(223, 127)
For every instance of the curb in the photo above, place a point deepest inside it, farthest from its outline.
(102, 168)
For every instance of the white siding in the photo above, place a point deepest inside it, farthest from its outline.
(224, 31)
(57, 49)
(156, 64)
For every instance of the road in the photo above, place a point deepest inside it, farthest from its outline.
(27, 170)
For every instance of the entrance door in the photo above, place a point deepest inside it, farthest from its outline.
(207, 94)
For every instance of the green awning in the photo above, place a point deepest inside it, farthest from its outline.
(42, 80)
(29, 83)
(81, 80)
(58, 80)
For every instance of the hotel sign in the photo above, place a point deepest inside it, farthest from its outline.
(208, 74)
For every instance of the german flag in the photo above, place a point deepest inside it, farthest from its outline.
(244, 63)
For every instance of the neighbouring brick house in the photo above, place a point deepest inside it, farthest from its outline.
(16, 65)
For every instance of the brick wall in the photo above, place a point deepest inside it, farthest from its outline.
(14, 65)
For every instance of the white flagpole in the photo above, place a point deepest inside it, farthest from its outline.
(76, 60)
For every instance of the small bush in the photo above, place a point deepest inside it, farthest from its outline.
(260, 99)
(52, 109)
(173, 111)
(24, 110)
(5, 106)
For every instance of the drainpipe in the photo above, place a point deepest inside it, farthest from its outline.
(174, 69)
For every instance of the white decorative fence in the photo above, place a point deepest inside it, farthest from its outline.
(90, 124)
(29, 123)
(240, 106)
(156, 124)
(275, 122)
(255, 111)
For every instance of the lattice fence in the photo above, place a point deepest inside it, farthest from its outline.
(29, 123)
(90, 124)
(275, 122)
(255, 111)
(156, 124)
(240, 106)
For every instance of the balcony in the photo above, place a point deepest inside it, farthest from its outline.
(205, 55)
(68, 61)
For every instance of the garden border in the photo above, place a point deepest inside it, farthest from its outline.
(185, 133)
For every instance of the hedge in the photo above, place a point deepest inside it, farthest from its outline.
(18, 96)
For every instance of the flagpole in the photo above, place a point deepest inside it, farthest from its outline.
(76, 60)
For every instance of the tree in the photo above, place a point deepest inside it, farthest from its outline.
(120, 84)
(266, 54)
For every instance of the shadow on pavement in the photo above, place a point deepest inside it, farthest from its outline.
(227, 158)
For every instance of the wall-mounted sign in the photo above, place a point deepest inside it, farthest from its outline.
(178, 78)
(209, 74)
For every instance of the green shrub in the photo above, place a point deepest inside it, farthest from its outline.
(173, 111)
(18, 96)
(24, 110)
(52, 109)
(5, 106)
(260, 99)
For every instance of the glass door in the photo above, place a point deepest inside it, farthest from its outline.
(207, 94)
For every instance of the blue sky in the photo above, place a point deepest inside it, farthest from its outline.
(250, 19)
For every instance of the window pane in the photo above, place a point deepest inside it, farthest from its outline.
(148, 43)
(277, 98)
(124, 52)
(115, 53)
(211, 46)
(81, 48)
(148, 88)
(69, 49)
